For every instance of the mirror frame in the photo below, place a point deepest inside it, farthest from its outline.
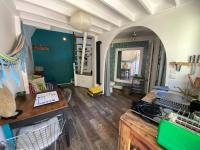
(116, 58)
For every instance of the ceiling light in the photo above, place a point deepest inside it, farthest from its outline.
(64, 39)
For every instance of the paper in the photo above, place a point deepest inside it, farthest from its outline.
(46, 98)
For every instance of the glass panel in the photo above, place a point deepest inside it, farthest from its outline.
(128, 64)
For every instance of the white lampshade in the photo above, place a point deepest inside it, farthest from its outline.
(81, 21)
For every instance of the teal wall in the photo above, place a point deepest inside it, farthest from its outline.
(128, 45)
(57, 61)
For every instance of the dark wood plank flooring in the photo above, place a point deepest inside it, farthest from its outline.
(94, 120)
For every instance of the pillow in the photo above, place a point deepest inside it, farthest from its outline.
(38, 84)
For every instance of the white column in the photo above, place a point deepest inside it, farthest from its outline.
(83, 51)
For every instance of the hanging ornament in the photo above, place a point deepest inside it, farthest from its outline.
(81, 21)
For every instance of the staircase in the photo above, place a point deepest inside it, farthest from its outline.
(83, 47)
(82, 60)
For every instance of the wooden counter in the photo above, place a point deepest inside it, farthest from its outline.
(136, 134)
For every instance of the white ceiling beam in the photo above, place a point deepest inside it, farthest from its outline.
(43, 20)
(96, 30)
(120, 8)
(147, 6)
(51, 5)
(36, 24)
(36, 18)
(26, 7)
(101, 24)
(62, 9)
(94, 10)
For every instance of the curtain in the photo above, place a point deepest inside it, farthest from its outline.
(107, 75)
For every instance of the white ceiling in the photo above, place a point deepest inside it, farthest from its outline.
(139, 31)
(106, 14)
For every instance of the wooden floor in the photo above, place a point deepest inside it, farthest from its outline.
(94, 121)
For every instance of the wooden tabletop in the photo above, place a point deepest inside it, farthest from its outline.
(145, 131)
(26, 104)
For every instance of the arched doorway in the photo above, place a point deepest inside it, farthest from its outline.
(135, 55)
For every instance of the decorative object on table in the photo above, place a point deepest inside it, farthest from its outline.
(7, 103)
(46, 98)
(21, 94)
(13, 61)
(38, 85)
(177, 126)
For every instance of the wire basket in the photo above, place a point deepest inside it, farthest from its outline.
(38, 136)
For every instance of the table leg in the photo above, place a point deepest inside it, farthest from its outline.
(66, 128)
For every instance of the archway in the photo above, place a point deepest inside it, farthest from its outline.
(122, 66)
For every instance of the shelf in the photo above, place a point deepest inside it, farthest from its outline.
(182, 63)
(82, 44)
(81, 37)
(40, 47)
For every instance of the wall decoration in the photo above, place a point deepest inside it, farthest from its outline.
(40, 47)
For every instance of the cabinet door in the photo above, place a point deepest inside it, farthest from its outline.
(138, 144)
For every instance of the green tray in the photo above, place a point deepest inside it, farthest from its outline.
(176, 137)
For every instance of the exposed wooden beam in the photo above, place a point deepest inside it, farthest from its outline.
(120, 8)
(94, 10)
(147, 6)
(26, 7)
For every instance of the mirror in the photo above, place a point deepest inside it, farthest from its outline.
(129, 64)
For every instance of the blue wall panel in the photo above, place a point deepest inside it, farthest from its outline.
(57, 61)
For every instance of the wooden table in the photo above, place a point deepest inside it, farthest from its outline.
(33, 114)
(137, 134)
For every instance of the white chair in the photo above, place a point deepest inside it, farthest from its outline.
(37, 137)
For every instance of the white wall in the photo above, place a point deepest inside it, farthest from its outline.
(178, 29)
(9, 30)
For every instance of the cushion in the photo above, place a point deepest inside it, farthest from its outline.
(38, 84)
